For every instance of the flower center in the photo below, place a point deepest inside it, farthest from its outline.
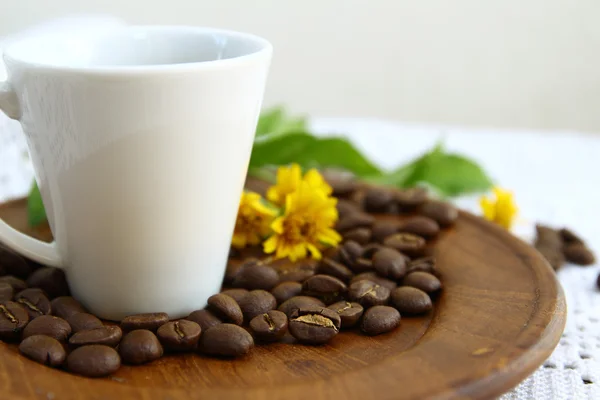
(297, 229)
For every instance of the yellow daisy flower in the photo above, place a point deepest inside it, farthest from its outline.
(253, 221)
(288, 180)
(501, 210)
(306, 225)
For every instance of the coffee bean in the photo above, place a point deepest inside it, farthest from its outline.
(354, 220)
(420, 226)
(231, 271)
(140, 346)
(149, 321)
(368, 294)
(12, 263)
(378, 199)
(362, 265)
(226, 340)
(65, 306)
(225, 308)
(346, 207)
(410, 300)
(349, 313)
(257, 302)
(13, 318)
(16, 283)
(335, 269)
(325, 287)
(407, 199)
(204, 318)
(443, 213)
(424, 281)
(50, 280)
(286, 290)
(94, 361)
(255, 275)
(182, 335)
(6, 292)
(549, 243)
(598, 282)
(35, 302)
(383, 229)
(406, 243)
(48, 325)
(84, 322)
(349, 252)
(390, 263)
(236, 294)
(270, 326)
(341, 184)
(579, 254)
(380, 319)
(373, 277)
(296, 302)
(314, 324)
(299, 273)
(44, 350)
(370, 249)
(359, 235)
(109, 335)
(570, 237)
(424, 264)
(233, 252)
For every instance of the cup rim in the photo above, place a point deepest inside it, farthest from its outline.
(265, 50)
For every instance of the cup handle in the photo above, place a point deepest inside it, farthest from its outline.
(42, 252)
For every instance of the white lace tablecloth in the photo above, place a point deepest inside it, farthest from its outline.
(554, 177)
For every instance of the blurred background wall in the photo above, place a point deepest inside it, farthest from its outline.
(492, 63)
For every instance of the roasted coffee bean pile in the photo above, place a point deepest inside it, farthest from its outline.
(383, 269)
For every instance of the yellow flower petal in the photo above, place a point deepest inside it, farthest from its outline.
(501, 210)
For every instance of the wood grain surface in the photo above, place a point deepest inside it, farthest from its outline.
(499, 316)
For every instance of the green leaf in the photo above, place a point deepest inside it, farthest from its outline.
(309, 151)
(274, 122)
(36, 213)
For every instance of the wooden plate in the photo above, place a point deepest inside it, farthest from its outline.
(500, 315)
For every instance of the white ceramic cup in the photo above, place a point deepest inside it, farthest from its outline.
(140, 139)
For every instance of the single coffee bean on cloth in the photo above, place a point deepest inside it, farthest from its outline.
(257, 302)
(6, 291)
(226, 340)
(445, 214)
(48, 325)
(410, 300)
(225, 308)
(109, 335)
(16, 283)
(65, 306)
(13, 318)
(325, 287)
(570, 237)
(314, 325)
(360, 235)
(286, 290)
(349, 312)
(296, 302)
(368, 293)
(149, 321)
(270, 326)
(94, 361)
(335, 269)
(421, 226)
(140, 346)
(35, 302)
(51, 280)
(380, 319)
(423, 280)
(254, 274)
(13, 264)
(374, 277)
(44, 350)
(406, 243)
(84, 322)
(182, 335)
(390, 263)
(549, 243)
(578, 253)
(236, 293)
(204, 318)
